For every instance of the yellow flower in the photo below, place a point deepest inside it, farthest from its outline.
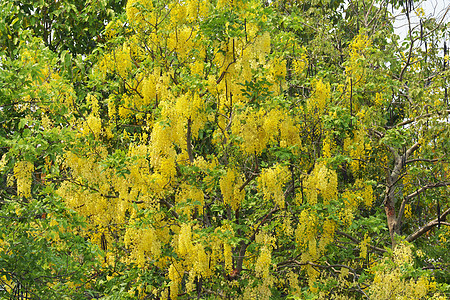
(272, 182)
(263, 263)
(22, 172)
(363, 246)
(230, 186)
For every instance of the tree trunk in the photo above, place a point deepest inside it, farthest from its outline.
(389, 208)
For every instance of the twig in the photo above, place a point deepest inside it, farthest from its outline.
(412, 237)
(356, 241)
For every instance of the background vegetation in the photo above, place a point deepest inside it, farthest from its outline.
(223, 149)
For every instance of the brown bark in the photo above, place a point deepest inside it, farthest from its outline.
(392, 178)
(188, 141)
(430, 225)
(391, 220)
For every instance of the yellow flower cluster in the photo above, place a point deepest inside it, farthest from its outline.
(175, 275)
(266, 239)
(190, 106)
(184, 240)
(191, 198)
(144, 244)
(355, 68)
(408, 211)
(149, 89)
(359, 44)
(230, 185)
(262, 46)
(272, 181)
(23, 171)
(277, 70)
(228, 257)
(329, 228)
(50, 84)
(161, 149)
(363, 193)
(3, 163)
(182, 41)
(92, 125)
(322, 181)
(295, 289)
(249, 126)
(285, 229)
(420, 12)
(357, 148)
(313, 277)
(301, 63)
(289, 131)
(346, 215)
(363, 246)
(263, 262)
(221, 248)
(199, 266)
(379, 99)
(328, 145)
(113, 28)
(136, 11)
(258, 128)
(122, 59)
(392, 281)
(316, 103)
(306, 229)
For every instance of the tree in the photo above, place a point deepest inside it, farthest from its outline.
(42, 254)
(70, 25)
(241, 149)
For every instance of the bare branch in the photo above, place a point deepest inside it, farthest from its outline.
(412, 149)
(328, 266)
(249, 179)
(377, 133)
(426, 187)
(411, 47)
(188, 141)
(421, 117)
(252, 176)
(356, 241)
(414, 194)
(428, 227)
(408, 60)
(366, 17)
(422, 160)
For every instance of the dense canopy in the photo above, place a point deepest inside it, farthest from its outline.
(237, 149)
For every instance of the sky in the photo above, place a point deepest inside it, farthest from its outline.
(437, 8)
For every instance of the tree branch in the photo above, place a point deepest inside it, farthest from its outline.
(426, 187)
(422, 160)
(328, 266)
(421, 117)
(252, 176)
(188, 141)
(408, 61)
(414, 194)
(412, 237)
(243, 245)
(411, 47)
(249, 179)
(411, 150)
(356, 241)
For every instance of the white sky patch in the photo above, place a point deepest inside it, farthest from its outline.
(438, 9)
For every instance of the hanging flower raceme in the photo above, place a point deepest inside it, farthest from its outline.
(23, 171)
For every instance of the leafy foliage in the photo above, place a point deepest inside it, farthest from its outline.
(224, 149)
